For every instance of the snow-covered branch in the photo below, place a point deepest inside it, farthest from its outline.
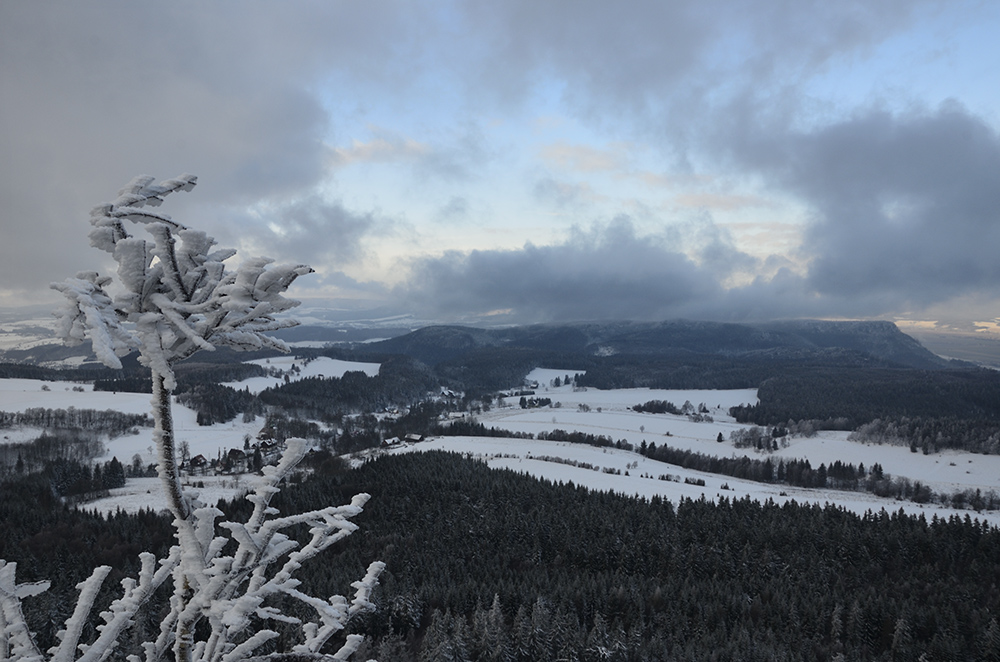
(174, 297)
(16, 642)
(228, 591)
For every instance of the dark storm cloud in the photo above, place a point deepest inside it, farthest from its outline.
(906, 207)
(653, 58)
(95, 93)
(614, 273)
(606, 272)
(905, 214)
(313, 230)
(240, 93)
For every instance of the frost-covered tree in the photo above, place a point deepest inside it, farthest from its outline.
(173, 297)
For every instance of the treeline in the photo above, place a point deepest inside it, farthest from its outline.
(861, 395)
(52, 445)
(792, 472)
(132, 381)
(78, 479)
(280, 427)
(215, 373)
(697, 414)
(68, 435)
(576, 437)
(471, 428)
(658, 407)
(574, 574)
(685, 371)
(50, 540)
(534, 403)
(930, 435)
(27, 371)
(493, 369)
(189, 375)
(953, 408)
(399, 382)
(838, 475)
(113, 423)
(219, 403)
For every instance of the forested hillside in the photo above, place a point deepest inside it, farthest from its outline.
(502, 566)
(400, 382)
(881, 341)
(487, 565)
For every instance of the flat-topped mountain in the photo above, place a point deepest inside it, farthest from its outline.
(802, 338)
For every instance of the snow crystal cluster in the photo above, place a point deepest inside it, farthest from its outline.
(177, 296)
(225, 590)
(173, 298)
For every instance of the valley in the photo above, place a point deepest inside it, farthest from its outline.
(562, 499)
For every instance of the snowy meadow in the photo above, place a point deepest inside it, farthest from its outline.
(591, 411)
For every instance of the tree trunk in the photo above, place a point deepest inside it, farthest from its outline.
(163, 436)
(166, 445)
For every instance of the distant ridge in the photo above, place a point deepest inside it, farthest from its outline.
(880, 340)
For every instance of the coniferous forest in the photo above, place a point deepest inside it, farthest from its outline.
(493, 565)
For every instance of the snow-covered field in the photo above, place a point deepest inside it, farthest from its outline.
(27, 333)
(944, 472)
(608, 415)
(16, 395)
(147, 493)
(523, 455)
(319, 367)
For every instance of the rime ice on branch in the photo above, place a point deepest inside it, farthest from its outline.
(175, 297)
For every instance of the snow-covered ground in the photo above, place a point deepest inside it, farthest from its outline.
(319, 367)
(147, 493)
(16, 395)
(946, 471)
(608, 415)
(19, 394)
(27, 333)
(523, 455)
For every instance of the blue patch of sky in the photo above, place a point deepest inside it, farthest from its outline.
(944, 56)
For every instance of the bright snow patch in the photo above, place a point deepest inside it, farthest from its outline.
(16, 395)
(318, 367)
(553, 461)
(147, 493)
(545, 376)
(944, 472)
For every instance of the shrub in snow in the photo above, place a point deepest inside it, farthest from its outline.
(174, 297)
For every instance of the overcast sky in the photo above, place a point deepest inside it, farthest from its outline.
(523, 160)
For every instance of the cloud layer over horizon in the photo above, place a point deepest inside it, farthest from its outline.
(530, 161)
